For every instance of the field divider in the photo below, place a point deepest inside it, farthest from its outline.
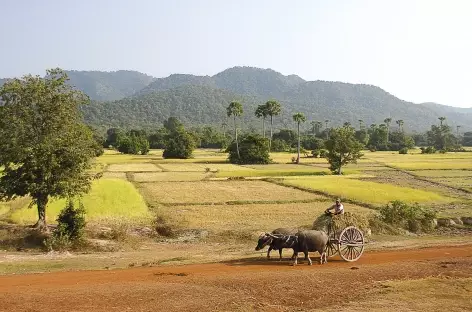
(318, 192)
(238, 202)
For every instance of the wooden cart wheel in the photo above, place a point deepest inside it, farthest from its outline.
(331, 249)
(351, 244)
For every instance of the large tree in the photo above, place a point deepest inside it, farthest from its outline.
(235, 109)
(45, 148)
(298, 118)
(387, 122)
(261, 112)
(343, 148)
(273, 108)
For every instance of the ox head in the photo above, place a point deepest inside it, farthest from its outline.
(264, 240)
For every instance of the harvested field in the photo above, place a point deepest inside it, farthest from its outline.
(443, 173)
(463, 182)
(366, 191)
(132, 167)
(114, 175)
(221, 192)
(201, 167)
(251, 218)
(169, 176)
(379, 280)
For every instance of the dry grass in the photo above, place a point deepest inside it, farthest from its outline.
(443, 173)
(201, 167)
(251, 218)
(464, 183)
(114, 175)
(132, 167)
(424, 295)
(221, 192)
(365, 191)
(169, 176)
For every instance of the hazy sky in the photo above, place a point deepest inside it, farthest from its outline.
(417, 50)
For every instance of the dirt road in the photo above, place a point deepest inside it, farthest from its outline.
(249, 284)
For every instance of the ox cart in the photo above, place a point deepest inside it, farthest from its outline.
(348, 242)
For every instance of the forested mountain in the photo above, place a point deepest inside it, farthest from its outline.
(136, 100)
(202, 100)
(109, 86)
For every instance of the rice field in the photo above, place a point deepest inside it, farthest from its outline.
(443, 173)
(195, 167)
(169, 176)
(254, 218)
(366, 191)
(109, 199)
(218, 192)
(114, 175)
(458, 182)
(132, 167)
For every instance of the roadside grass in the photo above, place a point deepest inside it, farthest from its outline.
(108, 201)
(169, 176)
(366, 191)
(208, 192)
(253, 218)
(443, 173)
(422, 295)
(132, 167)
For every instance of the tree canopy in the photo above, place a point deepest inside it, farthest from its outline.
(45, 148)
(343, 148)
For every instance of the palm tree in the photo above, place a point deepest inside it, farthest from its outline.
(387, 122)
(299, 118)
(273, 108)
(400, 124)
(261, 112)
(347, 124)
(235, 109)
(319, 125)
(224, 125)
(458, 127)
(326, 128)
(313, 127)
(441, 119)
(361, 124)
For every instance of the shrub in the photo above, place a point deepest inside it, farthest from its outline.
(428, 150)
(70, 228)
(253, 149)
(412, 218)
(403, 151)
(315, 153)
(279, 146)
(323, 153)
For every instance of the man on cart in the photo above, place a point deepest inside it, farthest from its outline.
(337, 207)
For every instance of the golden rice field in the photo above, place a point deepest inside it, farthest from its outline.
(169, 176)
(366, 191)
(220, 192)
(444, 173)
(253, 218)
(109, 199)
(458, 182)
(132, 167)
(114, 175)
(195, 167)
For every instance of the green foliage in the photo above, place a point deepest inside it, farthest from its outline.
(467, 139)
(253, 149)
(173, 124)
(280, 146)
(210, 137)
(311, 142)
(343, 148)
(133, 143)
(287, 135)
(46, 149)
(113, 135)
(428, 150)
(399, 140)
(157, 139)
(441, 137)
(378, 137)
(70, 229)
(403, 151)
(179, 145)
(410, 217)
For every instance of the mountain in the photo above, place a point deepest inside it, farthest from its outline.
(109, 86)
(200, 100)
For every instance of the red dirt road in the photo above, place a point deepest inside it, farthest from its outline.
(249, 284)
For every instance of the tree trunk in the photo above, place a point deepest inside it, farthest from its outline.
(270, 141)
(388, 133)
(340, 164)
(41, 203)
(236, 137)
(263, 127)
(298, 145)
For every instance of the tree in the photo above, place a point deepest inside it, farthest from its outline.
(273, 108)
(261, 112)
(343, 148)
(254, 149)
(180, 145)
(235, 109)
(318, 126)
(400, 124)
(134, 142)
(224, 125)
(441, 137)
(313, 127)
(387, 122)
(326, 128)
(113, 135)
(173, 124)
(45, 148)
(298, 118)
(287, 135)
(441, 120)
(361, 124)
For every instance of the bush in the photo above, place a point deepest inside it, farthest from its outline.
(323, 153)
(180, 145)
(70, 228)
(279, 146)
(412, 218)
(403, 151)
(428, 150)
(315, 153)
(253, 149)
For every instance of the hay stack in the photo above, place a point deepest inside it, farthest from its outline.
(360, 221)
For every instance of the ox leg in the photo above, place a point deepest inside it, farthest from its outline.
(323, 257)
(295, 255)
(280, 254)
(307, 257)
(268, 252)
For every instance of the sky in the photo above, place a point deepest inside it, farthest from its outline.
(418, 50)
